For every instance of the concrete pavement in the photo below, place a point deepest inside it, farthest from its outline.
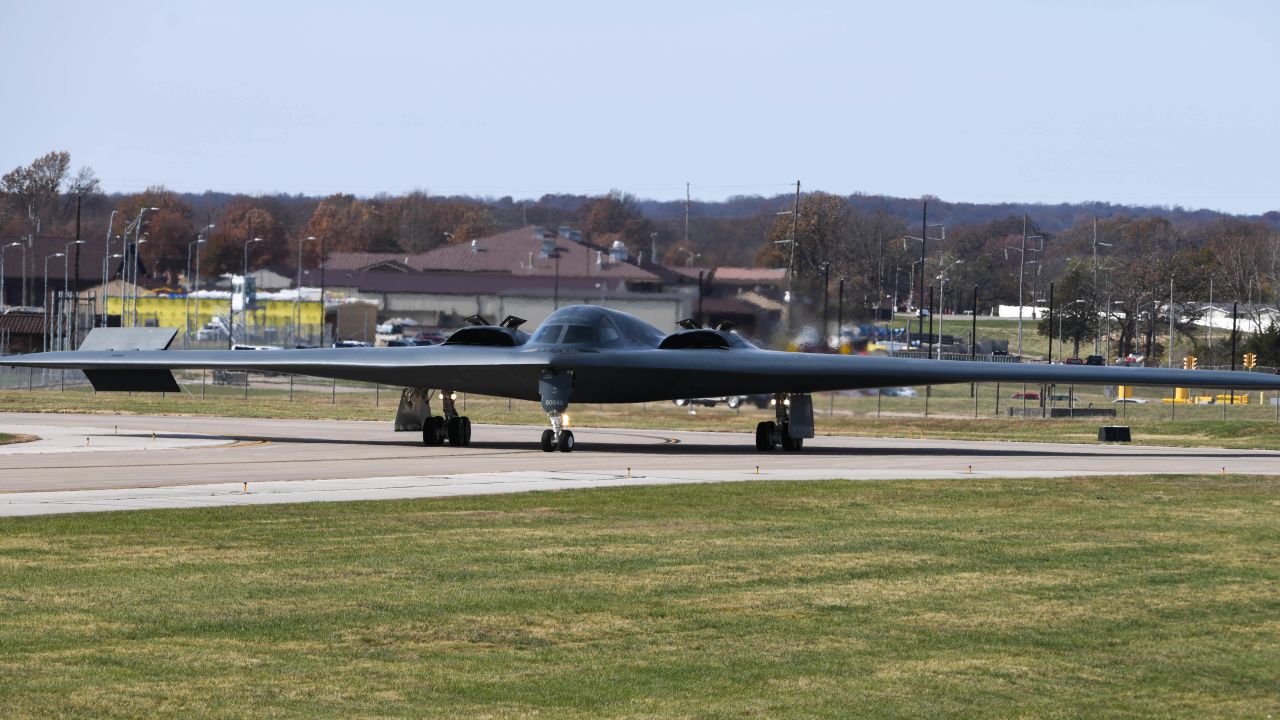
(112, 462)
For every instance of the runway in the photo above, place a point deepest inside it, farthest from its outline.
(115, 462)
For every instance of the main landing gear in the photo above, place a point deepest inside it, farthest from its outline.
(452, 427)
(793, 423)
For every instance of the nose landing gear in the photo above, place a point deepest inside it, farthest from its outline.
(554, 389)
(557, 437)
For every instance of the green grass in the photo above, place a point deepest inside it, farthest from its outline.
(1099, 597)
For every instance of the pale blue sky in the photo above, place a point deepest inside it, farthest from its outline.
(1131, 102)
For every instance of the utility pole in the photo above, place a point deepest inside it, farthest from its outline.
(75, 304)
(686, 215)
(791, 262)
(924, 242)
(840, 317)
(1211, 316)
(1097, 337)
(826, 299)
(1022, 268)
(1169, 352)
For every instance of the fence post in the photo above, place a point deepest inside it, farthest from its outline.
(333, 394)
(377, 395)
(291, 388)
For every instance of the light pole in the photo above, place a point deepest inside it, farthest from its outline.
(324, 318)
(1060, 315)
(138, 239)
(106, 253)
(133, 304)
(1097, 336)
(297, 316)
(193, 245)
(44, 289)
(5, 251)
(942, 298)
(244, 294)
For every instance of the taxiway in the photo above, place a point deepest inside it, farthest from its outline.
(115, 462)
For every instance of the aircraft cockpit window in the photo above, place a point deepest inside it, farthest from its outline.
(609, 334)
(549, 334)
(574, 334)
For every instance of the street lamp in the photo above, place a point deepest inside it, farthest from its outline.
(942, 289)
(138, 239)
(195, 244)
(106, 253)
(133, 304)
(44, 289)
(244, 295)
(5, 251)
(1060, 314)
(297, 316)
(1097, 339)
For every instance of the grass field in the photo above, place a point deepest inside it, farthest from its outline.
(1100, 597)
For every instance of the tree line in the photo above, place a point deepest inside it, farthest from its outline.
(862, 240)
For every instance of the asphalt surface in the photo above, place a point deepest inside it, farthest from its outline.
(111, 462)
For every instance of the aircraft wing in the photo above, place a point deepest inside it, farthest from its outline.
(666, 374)
(504, 371)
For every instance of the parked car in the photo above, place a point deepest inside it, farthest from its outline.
(1135, 401)
(1095, 360)
(350, 344)
(1073, 361)
(429, 338)
(1028, 395)
(1062, 397)
(898, 392)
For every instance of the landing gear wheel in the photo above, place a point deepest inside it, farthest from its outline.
(734, 402)
(564, 443)
(764, 436)
(459, 431)
(433, 431)
(548, 440)
(789, 443)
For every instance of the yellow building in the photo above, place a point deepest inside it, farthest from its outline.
(173, 312)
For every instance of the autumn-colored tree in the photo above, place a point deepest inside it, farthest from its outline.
(348, 224)
(167, 230)
(35, 187)
(243, 220)
(616, 212)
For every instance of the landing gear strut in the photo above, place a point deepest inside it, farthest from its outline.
(452, 426)
(554, 389)
(786, 430)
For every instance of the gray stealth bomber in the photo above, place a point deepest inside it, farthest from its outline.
(589, 354)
